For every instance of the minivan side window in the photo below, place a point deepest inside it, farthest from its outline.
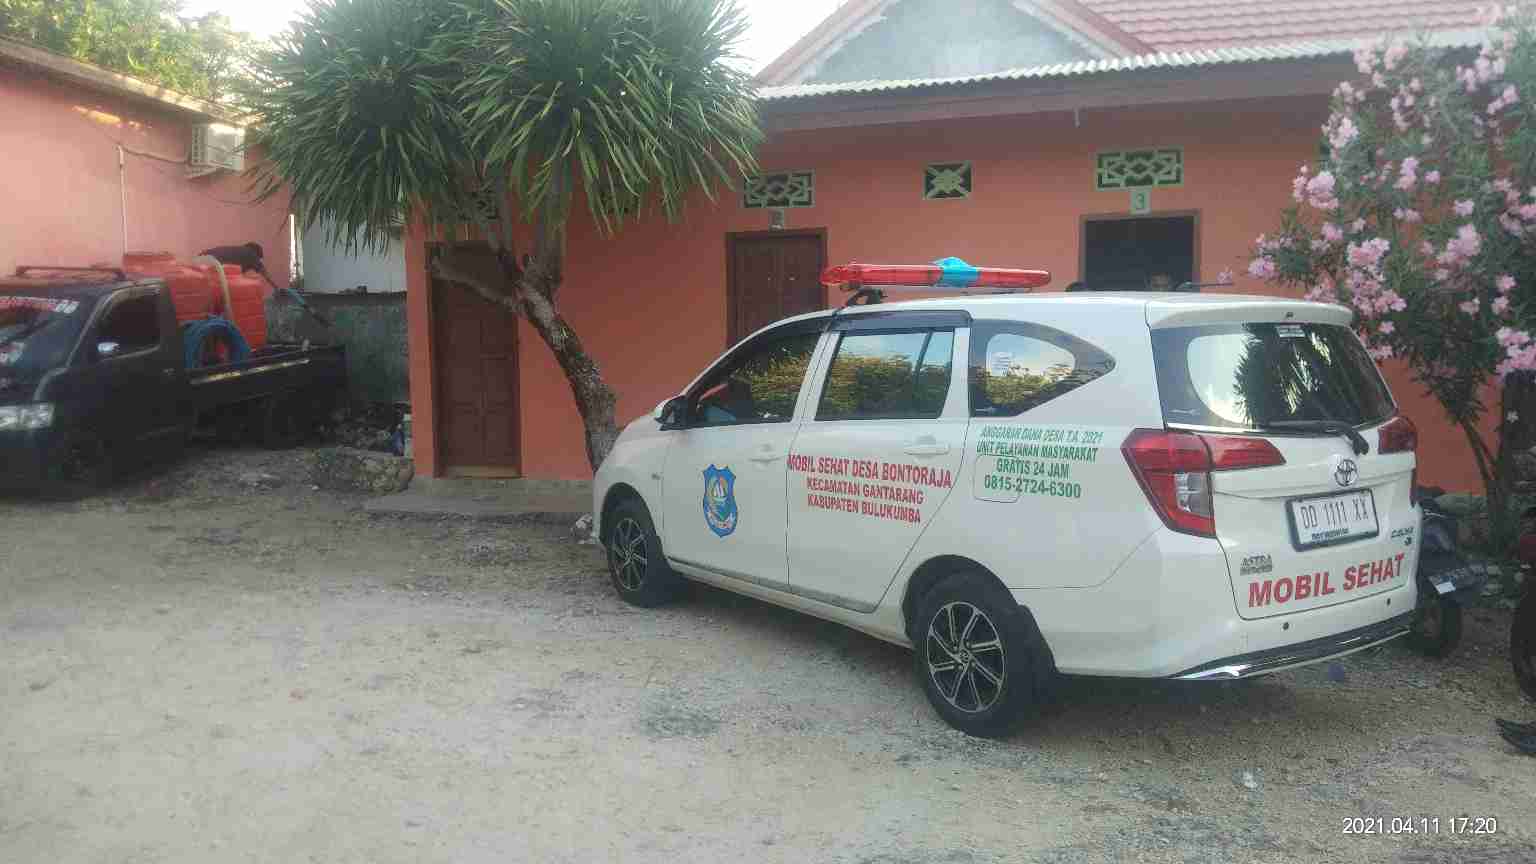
(886, 376)
(1017, 366)
(759, 385)
(133, 323)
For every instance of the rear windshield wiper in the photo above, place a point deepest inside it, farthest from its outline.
(1326, 427)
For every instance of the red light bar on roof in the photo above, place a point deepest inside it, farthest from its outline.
(944, 273)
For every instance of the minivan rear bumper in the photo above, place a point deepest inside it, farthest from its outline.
(1299, 654)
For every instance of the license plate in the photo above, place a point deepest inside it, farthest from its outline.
(1329, 519)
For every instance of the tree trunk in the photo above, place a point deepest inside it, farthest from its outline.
(529, 292)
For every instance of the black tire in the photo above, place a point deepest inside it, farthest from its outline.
(1436, 625)
(968, 625)
(285, 421)
(636, 565)
(78, 469)
(1522, 643)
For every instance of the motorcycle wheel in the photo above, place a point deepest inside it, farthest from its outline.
(1436, 625)
(1522, 644)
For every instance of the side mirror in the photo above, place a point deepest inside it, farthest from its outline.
(670, 412)
(107, 349)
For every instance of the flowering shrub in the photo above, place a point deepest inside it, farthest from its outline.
(1421, 216)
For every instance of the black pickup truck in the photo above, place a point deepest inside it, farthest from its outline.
(94, 375)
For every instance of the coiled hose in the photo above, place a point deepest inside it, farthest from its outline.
(199, 335)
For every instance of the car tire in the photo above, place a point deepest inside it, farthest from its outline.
(636, 565)
(285, 421)
(1436, 625)
(979, 655)
(82, 467)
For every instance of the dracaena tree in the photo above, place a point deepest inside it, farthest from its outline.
(1421, 216)
(501, 118)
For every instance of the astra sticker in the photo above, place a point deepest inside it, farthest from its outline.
(1256, 564)
(720, 512)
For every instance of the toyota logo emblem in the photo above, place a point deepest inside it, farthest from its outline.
(1346, 473)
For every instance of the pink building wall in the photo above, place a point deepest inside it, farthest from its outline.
(650, 302)
(63, 198)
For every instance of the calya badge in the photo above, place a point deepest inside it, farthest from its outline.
(720, 512)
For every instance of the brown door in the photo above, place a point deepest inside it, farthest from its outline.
(773, 275)
(476, 348)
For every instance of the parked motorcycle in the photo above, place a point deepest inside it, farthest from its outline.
(1446, 583)
(1522, 633)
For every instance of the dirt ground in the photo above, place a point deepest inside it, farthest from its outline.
(218, 663)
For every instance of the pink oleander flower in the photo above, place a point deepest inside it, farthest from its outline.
(1528, 212)
(1225, 277)
(1426, 249)
(1464, 207)
(1262, 268)
(1357, 226)
(1470, 307)
(1467, 242)
(1442, 274)
(1365, 60)
(1505, 283)
(1500, 306)
(1368, 255)
(1320, 191)
(1382, 353)
(1405, 214)
(1386, 328)
(1511, 338)
(1332, 233)
(1431, 177)
(1344, 132)
(1408, 175)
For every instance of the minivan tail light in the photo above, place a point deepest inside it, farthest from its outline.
(1174, 469)
(1399, 435)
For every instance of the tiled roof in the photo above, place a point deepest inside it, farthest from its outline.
(1177, 60)
(1185, 25)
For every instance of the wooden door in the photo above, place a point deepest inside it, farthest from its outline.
(772, 275)
(476, 352)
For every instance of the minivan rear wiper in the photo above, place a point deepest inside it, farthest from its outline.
(1327, 427)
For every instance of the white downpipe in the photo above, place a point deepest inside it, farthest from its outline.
(218, 267)
(122, 194)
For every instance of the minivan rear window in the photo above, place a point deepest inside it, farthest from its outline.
(1248, 376)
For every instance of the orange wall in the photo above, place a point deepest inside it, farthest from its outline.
(63, 201)
(650, 302)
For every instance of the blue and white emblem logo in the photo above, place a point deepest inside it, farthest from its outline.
(720, 500)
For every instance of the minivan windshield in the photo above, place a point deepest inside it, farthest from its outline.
(37, 333)
(1253, 376)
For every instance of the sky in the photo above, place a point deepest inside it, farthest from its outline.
(776, 24)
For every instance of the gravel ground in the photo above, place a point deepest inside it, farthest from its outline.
(218, 663)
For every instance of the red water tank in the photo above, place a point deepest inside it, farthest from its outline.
(193, 289)
(248, 301)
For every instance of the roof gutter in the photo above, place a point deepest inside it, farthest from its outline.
(92, 77)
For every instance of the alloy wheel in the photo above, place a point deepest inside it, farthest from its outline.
(627, 554)
(965, 657)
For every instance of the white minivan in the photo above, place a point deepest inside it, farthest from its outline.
(1190, 486)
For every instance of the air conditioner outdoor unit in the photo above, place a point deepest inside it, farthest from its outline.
(216, 147)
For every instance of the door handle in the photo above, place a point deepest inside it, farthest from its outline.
(926, 447)
(762, 456)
